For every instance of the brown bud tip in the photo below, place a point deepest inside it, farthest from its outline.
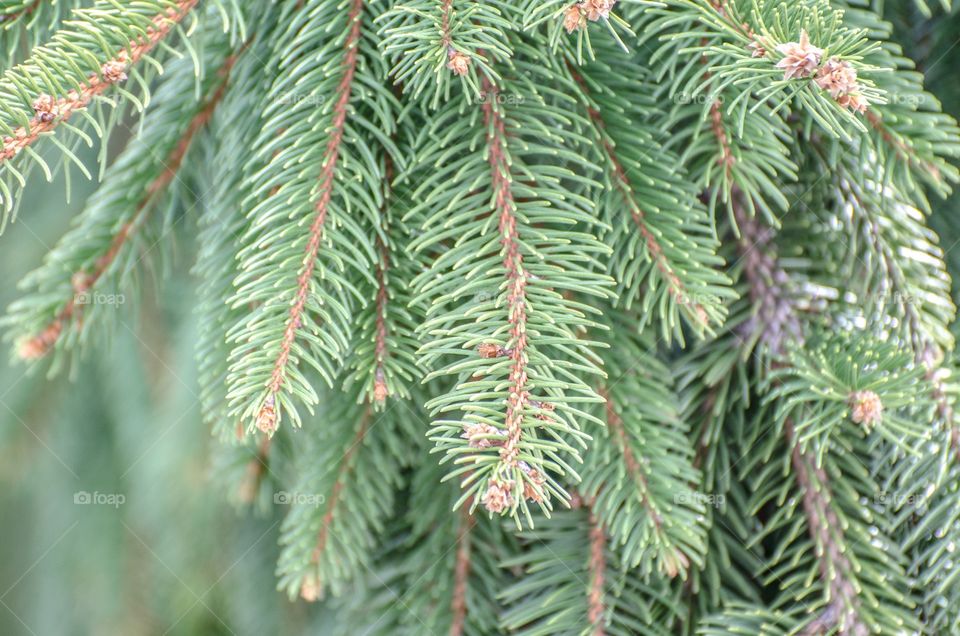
(573, 18)
(866, 407)
(40, 345)
(597, 9)
(310, 589)
(267, 417)
(478, 435)
(114, 71)
(673, 562)
(458, 63)
(380, 390)
(532, 489)
(45, 107)
(488, 350)
(497, 497)
(800, 59)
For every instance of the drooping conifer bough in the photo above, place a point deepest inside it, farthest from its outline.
(586, 317)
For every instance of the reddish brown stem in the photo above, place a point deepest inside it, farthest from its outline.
(83, 281)
(111, 73)
(327, 176)
(461, 572)
(381, 345)
(447, 9)
(504, 207)
(826, 531)
(634, 468)
(622, 183)
(903, 151)
(597, 566)
(344, 471)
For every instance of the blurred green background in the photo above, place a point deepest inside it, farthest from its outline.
(157, 550)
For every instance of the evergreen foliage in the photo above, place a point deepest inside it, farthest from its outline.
(534, 318)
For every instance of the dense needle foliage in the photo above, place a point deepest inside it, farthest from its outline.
(533, 317)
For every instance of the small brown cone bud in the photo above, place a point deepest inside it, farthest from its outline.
(757, 49)
(45, 107)
(490, 350)
(838, 78)
(855, 102)
(380, 390)
(800, 59)
(310, 589)
(458, 63)
(573, 18)
(531, 489)
(596, 9)
(866, 408)
(114, 71)
(267, 417)
(497, 497)
(477, 433)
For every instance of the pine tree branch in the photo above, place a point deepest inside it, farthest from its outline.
(622, 182)
(381, 349)
(26, 8)
(516, 282)
(458, 603)
(596, 612)
(634, 469)
(52, 111)
(826, 531)
(267, 417)
(312, 588)
(903, 151)
(83, 281)
(774, 318)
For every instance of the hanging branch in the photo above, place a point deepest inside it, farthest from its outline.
(51, 111)
(82, 281)
(458, 603)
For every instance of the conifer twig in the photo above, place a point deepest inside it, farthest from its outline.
(516, 287)
(639, 216)
(381, 346)
(83, 281)
(777, 323)
(51, 111)
(266, 418)
(458, 604)
(826, 531)
(902, 150)
(597, 567)
(312, 586)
